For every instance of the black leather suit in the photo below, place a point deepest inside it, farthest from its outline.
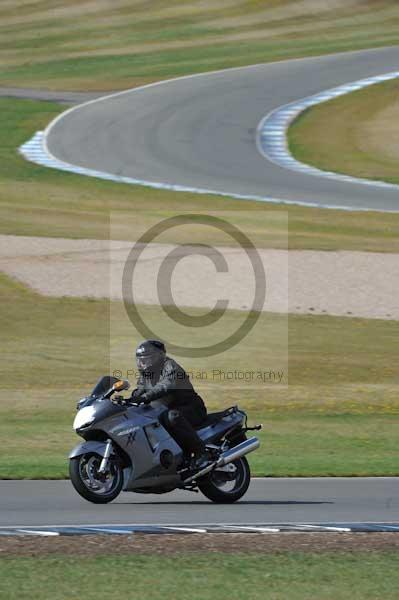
(170, 385)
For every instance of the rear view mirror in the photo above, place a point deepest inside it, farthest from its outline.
(121, 385)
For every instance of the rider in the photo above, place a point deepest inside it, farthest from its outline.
(163, 379)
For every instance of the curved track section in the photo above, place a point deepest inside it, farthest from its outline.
(199, 132)
(272, 131)
(24, 504)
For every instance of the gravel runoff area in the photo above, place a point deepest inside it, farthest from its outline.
(231, 543)
(49, 95)
(343, 283)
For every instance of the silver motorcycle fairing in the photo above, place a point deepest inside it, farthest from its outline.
(88, 447)
(138, 433)
(144, 444)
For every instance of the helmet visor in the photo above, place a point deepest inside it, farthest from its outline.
(145, 362)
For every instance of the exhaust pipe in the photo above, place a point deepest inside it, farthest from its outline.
(228, 456)
(238, 451)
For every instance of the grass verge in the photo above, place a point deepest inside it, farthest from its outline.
(37, 201)
(199, 576)
(356, 134)
(123, 44)
(338, 416)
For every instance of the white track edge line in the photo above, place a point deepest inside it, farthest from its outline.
(40, 533)
(324, 527)
(223, 524)
(248, 528)
(187, 529)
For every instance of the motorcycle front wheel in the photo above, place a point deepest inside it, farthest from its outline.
(227, 484)
(99, 488)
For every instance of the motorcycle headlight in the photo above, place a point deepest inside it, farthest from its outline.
(84, 417)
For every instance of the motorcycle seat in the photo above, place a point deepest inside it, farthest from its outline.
(211, 419)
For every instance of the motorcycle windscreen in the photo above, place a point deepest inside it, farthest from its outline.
(103, 385)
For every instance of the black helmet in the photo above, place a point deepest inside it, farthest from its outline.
(149, 354)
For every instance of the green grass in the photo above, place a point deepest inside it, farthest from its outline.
(297, 576)
(120, 44)
(338, 416)
(351, 134)
(36, 201)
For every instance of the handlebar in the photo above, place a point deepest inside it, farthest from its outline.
(121, 401)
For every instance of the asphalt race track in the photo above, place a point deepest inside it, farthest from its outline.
(291, 500)
(200, 131)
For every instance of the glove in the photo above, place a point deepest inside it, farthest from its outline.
(136, 395)
(144, 399)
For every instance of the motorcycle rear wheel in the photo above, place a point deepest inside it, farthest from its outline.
(217, 490)
(91, 485)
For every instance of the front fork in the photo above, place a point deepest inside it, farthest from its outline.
(107, 453)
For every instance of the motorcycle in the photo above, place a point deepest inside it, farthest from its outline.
(127, 448)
